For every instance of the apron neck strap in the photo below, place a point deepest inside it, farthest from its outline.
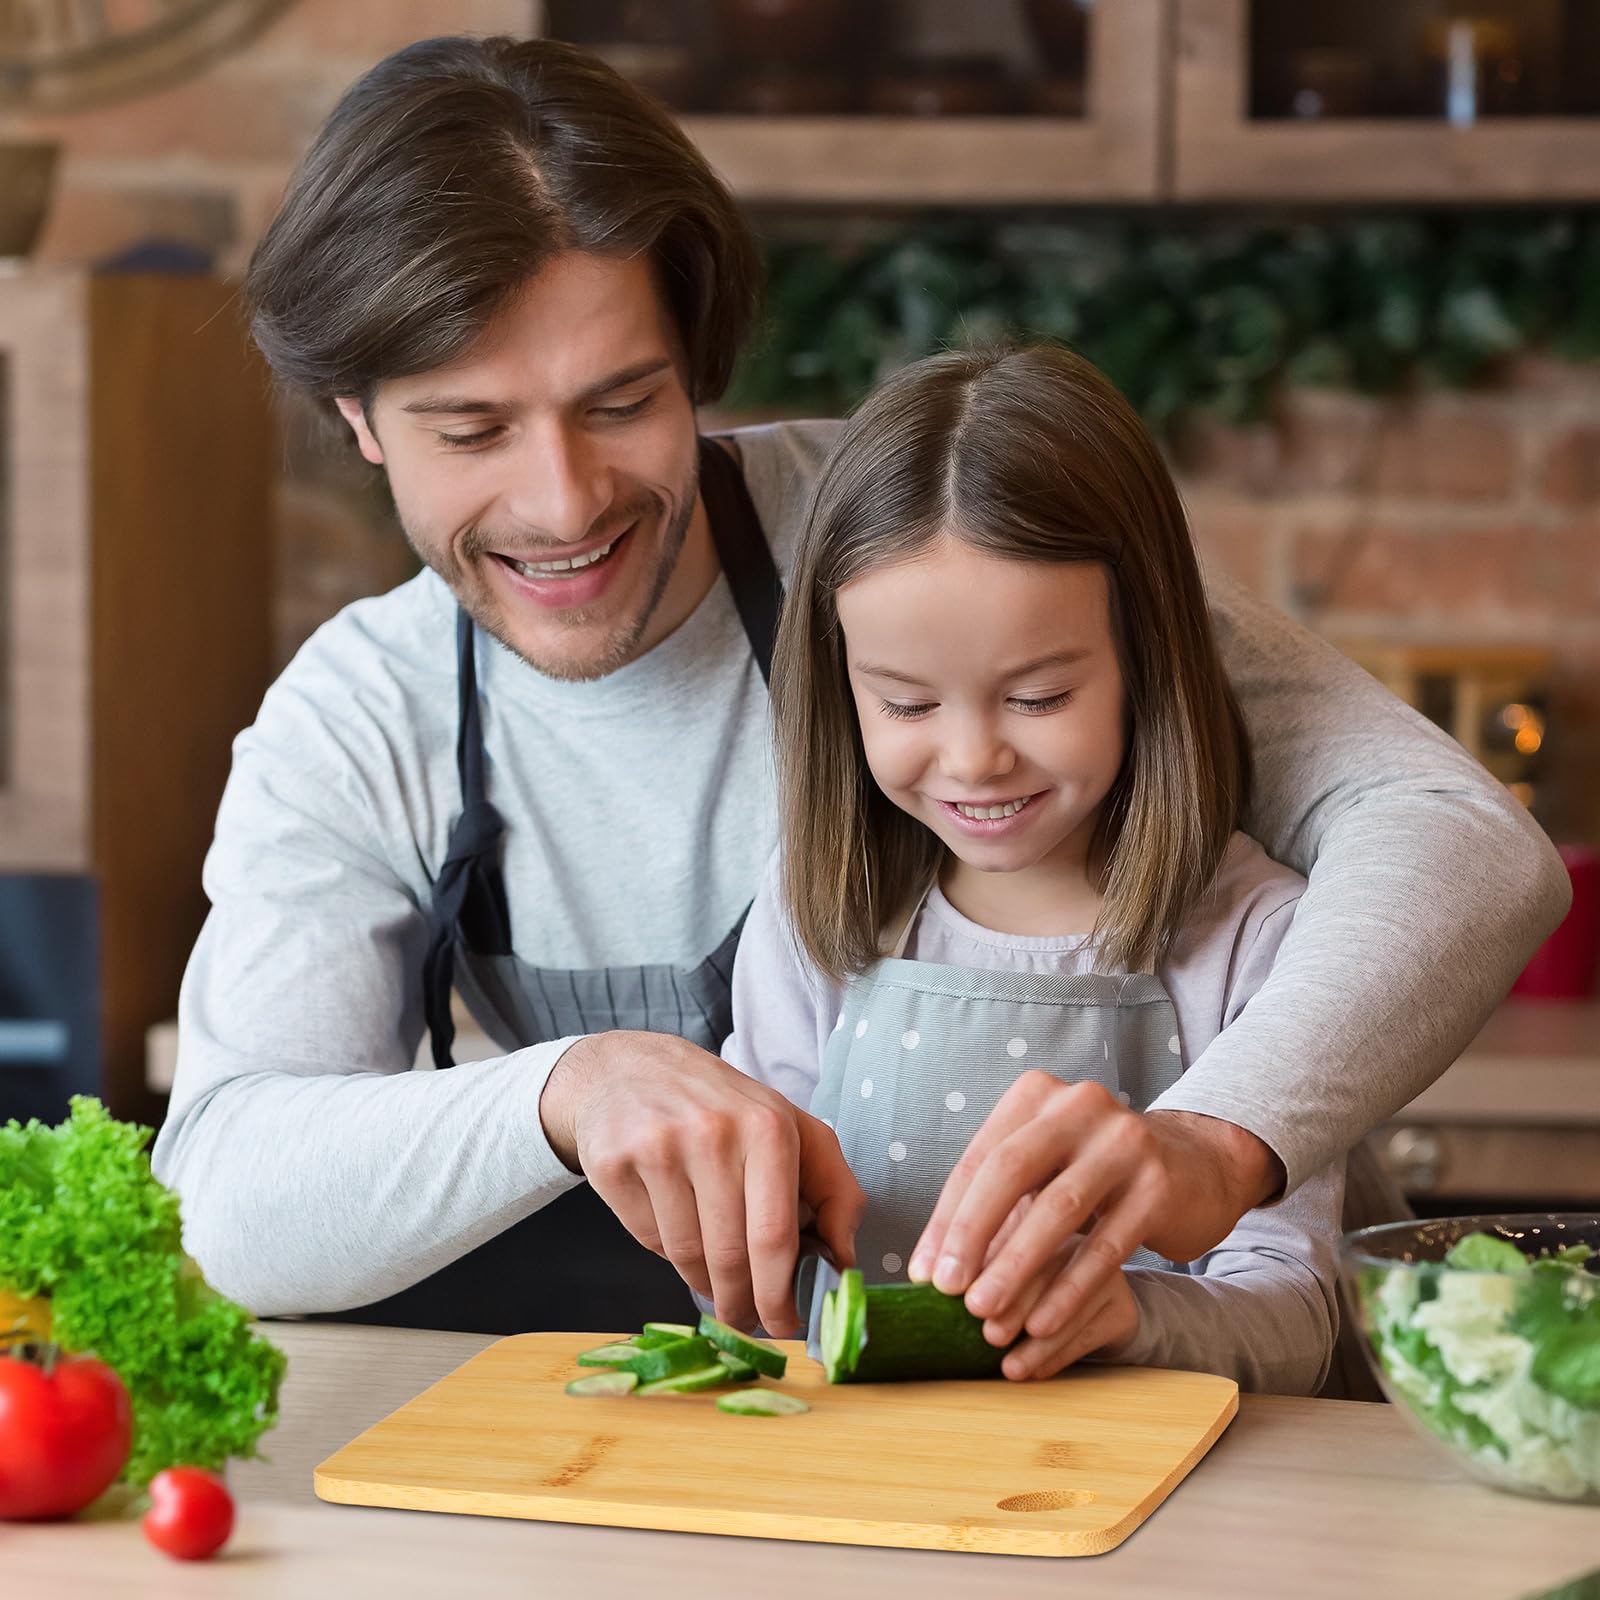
(742, 549)
(469, 724)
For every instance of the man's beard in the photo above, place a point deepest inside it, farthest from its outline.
(619, 648)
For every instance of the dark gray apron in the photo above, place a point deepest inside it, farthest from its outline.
(571, 1265)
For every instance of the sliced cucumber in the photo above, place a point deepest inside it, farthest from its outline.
(896, 1332)
(761, 1403)
(738, 1371)
(604, 1383)
(711, 1377)
(769, 1362)
(666, 1360)
(842, 1333)
(617, 1354)
(663, 1333)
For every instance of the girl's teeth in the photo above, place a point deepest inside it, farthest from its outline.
(991, 813)
(551, 569)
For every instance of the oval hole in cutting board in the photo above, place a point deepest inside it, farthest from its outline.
(1046, 1500)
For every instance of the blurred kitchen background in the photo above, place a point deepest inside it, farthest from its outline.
(1345, 258)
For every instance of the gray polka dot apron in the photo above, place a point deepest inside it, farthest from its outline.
(922, 1053)
(571, 1265)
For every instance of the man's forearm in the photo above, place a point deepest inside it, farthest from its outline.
(1429, 889)
(1220, 1171)
(1390, 968)
(323, 1192)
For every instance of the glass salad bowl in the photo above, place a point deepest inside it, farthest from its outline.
(1486, 1331)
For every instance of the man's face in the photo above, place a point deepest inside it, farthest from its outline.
(549, 475)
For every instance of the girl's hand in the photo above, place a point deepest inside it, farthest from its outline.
(1177, 1182)
(1109, 1323)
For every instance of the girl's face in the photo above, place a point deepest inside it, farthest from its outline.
(990, 700)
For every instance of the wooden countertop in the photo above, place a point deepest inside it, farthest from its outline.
(1314, 1498)
(1535, 1063)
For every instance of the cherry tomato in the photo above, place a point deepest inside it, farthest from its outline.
(65, 1427)
(190, 1515)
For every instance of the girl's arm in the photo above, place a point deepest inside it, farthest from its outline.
(1261, 1308)
(783, 1011)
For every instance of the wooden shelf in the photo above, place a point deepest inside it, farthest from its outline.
(926, 161)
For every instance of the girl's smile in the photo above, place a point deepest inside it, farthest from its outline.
(986, 818)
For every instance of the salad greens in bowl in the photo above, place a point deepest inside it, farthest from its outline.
(1486, 1330)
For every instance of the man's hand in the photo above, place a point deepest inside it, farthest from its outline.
(1175, 1181)
(703, 1165)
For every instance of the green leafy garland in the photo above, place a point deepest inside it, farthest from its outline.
(1184, 313)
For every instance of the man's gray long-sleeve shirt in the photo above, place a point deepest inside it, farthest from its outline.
(319, 1172)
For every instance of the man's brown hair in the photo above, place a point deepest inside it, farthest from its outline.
(448, 175)
(1030, 454)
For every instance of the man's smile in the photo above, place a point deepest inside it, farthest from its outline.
(567, 581)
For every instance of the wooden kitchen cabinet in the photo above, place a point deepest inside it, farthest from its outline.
(1174, 110)
(1222, 149)
(1111, 152)
(135, 610)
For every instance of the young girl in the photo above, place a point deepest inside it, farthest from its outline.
(1010, 773)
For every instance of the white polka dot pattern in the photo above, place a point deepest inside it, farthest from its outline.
(899, 1126)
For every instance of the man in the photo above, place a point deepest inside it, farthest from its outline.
(539, 771)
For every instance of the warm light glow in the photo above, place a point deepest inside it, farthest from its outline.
(1528, 740)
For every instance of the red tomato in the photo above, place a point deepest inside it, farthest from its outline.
(65, 1427)
(190, 1515)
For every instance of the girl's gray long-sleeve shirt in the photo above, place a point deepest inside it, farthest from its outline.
(319, 1172)
(1262, 1307)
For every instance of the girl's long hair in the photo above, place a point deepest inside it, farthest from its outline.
(1030, 454)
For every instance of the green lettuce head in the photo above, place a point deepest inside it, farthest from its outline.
(84, 1223)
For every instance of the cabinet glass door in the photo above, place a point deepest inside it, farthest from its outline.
(898, 102)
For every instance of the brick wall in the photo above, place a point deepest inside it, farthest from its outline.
(1462, 518)
(1456, 517)
(204, 162)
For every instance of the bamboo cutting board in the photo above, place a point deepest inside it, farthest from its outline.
(1065, 1468)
